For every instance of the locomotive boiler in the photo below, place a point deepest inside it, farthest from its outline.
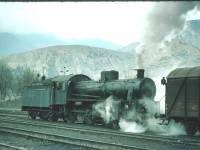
(75, 97)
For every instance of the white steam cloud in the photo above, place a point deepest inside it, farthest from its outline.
(137, 122)
(108, 109)
(134, 121)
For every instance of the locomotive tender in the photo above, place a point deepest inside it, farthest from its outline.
(72, 97)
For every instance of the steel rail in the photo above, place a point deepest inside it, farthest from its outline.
(12, 112)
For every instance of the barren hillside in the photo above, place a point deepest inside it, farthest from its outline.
(76, 58)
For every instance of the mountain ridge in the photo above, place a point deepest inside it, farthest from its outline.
(11, 43)
(77, 59)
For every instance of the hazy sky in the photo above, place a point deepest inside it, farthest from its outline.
(118, 22)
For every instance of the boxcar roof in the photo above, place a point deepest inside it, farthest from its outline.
(185, 72)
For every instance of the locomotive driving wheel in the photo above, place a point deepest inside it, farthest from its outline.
(115, 124)
(52, 116)
(88, 118)
(112, 124)
(70, 118)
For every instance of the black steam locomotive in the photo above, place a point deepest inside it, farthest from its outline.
(78, 98)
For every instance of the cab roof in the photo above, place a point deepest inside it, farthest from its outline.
(75, 78)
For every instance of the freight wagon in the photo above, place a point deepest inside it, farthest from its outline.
(183, 97)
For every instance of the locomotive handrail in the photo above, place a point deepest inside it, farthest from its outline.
(78, 100)
(85, 95)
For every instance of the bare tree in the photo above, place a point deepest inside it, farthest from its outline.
(22, 78)
(6, 78)
(14, 81)
(29, 76)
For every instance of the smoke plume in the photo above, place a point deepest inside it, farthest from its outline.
(164, 21)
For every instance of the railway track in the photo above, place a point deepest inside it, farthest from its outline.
(105, 132)
(14, 115)
(108, 133)
(82, 142)
(100, 133)
(67, 139)
(14, 112)
(6, 146)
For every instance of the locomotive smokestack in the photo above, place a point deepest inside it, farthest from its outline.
(140, 73)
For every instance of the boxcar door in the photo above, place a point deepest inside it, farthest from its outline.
(175, 93)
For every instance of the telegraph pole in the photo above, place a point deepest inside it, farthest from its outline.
(43, 77)
(43, 70)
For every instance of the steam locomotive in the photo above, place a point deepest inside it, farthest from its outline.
(78, 98)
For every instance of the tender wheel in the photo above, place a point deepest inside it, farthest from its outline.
(32, 114)
(52, 116)
(44, 118)
(43, 115)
